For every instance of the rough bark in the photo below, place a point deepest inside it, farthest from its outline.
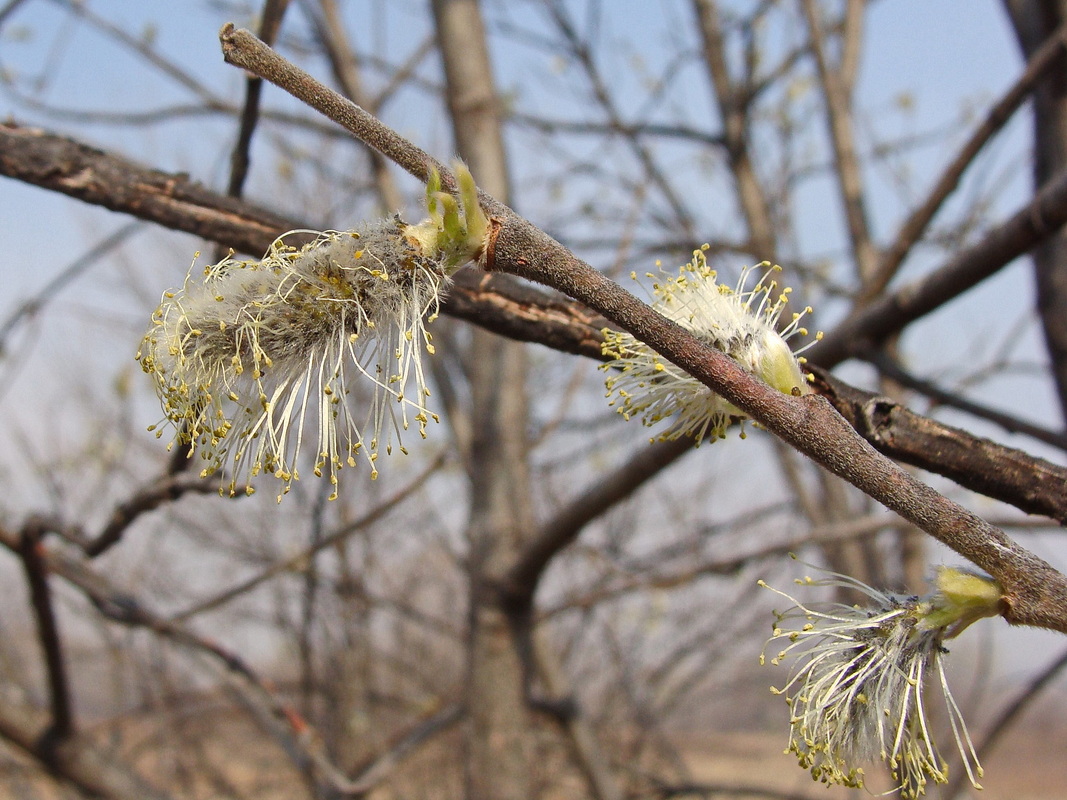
(1031, 484)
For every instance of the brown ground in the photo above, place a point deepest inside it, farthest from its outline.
(1030, 765)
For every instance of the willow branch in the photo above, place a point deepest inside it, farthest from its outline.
(522, 579)
(1034, 222)
(495, 302)
(35, 567)
(172, 200)
(890, 368)
(919, 219)
(1031, 484)
(1034, 592)
(242, 49)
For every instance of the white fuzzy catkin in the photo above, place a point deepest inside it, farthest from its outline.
(254, 356)
(741, 322)
(858, 690)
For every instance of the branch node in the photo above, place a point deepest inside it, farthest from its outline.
(489, 256)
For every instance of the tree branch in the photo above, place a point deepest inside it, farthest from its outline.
(891, 369)
(172, 200)
(376, 770)
(497, 302)
(1003, 473)
(165, 489)
(35, 567)
(915, 225)
(563, 528)
(1033, 223)
(493, 301)
(240, 159)
(1034, 592)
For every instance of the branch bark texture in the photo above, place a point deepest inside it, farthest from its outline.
(1034, 592)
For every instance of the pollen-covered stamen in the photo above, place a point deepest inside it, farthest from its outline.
(259, 354)
(741, 322)
(857, 692)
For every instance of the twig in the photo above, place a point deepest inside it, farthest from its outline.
(242, 49)
(523, 577)
(582, 54)
(164, 489)
(890, 368)
(288, 564)
(835, 533)
(271, 20)
(1034, 222)
(373, 773)
(1031, 484)
(36, 569)
(495, 302)
(1034, 592)
(330, 30)
(614, 127)
(917, 222)
(281, 719)
(172, 200)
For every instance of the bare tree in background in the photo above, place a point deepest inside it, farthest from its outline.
(537, 603)
(1035, 23)
(498, 758)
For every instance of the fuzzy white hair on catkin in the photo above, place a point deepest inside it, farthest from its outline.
(257, 353)
(258, 347)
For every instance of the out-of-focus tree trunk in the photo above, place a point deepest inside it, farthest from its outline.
(1034, 22)
(497, 765)
(732, 98)
(838, 75)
